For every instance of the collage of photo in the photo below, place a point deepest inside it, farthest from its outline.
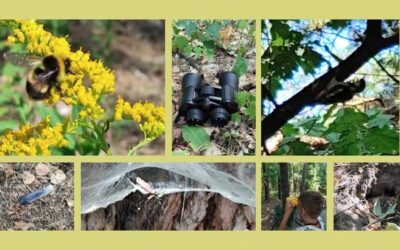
(251, 125)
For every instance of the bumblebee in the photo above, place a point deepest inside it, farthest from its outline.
(45, 73)
(42, 79)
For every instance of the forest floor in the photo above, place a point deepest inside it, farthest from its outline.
(267, 221)
(367, 196)
(52, 212)
(236, 138)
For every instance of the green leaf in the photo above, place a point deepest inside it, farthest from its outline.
(251, 109)
(379, 120)
(198, 51)
(242, 97)
(382, 141)
(348, 120)
(282, 58)
(378, 209)
(180, 153)
(181, 44)
(236, 117)
(242, 50)
(212, 31)
(88, 147)
(289, 130)
(55, 117)
(391, 227)
(242, 24)
(240, 66)
(336, 24)
(197, 137)
(191, 28)
(3, 111)
(333, 137)
(11, 70)
(209, 49)
(294, 147)
(8, 124)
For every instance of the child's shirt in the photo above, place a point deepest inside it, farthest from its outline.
(298, 225)
(311, 227)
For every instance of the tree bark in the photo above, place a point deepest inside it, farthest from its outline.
(284, 182)
(304, 177)
(266, 183)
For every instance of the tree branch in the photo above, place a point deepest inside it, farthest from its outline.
(385, 70)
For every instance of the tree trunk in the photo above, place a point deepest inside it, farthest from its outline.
(266, 184)
(293, 184)
(304, 178)
(279, 188)
(284, 182)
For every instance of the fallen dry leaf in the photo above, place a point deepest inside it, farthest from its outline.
(58, 177)
(9, 171)
(225, 35)
(28, 178)
(21, 225)
(42, 169)
(70, 201)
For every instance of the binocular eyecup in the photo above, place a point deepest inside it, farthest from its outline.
(202, 101)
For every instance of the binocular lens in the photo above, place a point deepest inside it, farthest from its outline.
(219, 117)
(195, 117)
(191, 80)
(229, 79)
(229, 83)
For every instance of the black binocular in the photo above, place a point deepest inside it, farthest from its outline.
(201, 101)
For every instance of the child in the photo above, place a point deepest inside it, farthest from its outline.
(307, 215)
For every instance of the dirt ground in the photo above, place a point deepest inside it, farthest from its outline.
(243, 143)
(359, 188)
(52, 212)
(267, 217)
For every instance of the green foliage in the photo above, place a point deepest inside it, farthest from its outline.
(348, 132)
(293, 146)
(378, 209)
(286, 52)
(315, 179)
(337, 24)
(391, 227)
(247, 103)
(240, 66)
(202, 38)
(181, 44)
(196, 137)
(57, 27)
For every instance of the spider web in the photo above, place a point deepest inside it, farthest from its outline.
(105, 184)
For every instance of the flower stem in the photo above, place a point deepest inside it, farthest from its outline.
(142, 143)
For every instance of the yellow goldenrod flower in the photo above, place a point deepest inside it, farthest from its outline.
(151, 118)
(83, 83)
(73, 91)
(293, 200)
(33, 140)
